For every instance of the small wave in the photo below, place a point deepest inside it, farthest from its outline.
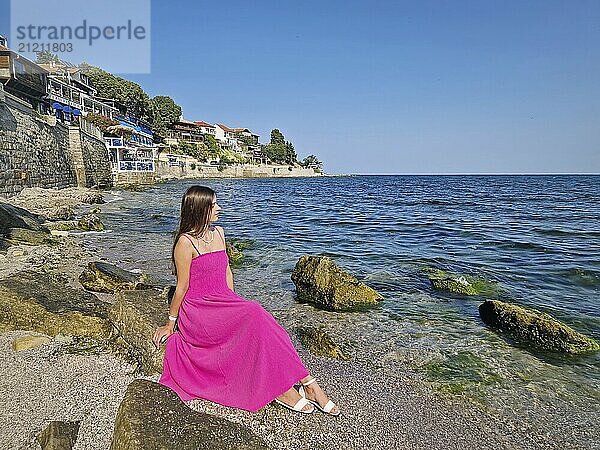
(523, 246)
(582, 277)
(557, 232)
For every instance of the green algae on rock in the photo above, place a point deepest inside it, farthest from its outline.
(460, 284)
(320, 281)
(535, 328)
(36, 302)
(460, 372)
(152, 416)
(319, 343)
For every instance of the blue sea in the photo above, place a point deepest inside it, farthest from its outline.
(537, 237)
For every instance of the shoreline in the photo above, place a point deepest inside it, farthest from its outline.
(378, 410)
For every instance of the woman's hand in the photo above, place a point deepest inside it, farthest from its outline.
(165, 330)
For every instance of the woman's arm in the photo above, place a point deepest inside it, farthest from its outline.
(229, 272)
(183, 261)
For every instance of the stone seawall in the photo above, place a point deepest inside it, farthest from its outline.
(38, 151)
(166, 172)
(33, 150)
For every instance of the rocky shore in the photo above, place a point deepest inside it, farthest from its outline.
(77, 368)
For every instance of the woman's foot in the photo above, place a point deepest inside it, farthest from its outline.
(314, 392)
(291, 397)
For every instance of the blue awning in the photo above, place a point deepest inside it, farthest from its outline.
(76, 112)
(67, 109)
(57, 105)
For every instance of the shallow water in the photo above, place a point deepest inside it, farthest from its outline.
(538, 237)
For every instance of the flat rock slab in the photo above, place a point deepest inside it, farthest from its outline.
(105, 277)
(319, 280)
(151, 416)
(30, 341)
(136, 314)
(535, 328)
(38, 302)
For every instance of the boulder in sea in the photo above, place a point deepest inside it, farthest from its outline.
(59, 435)
(319, 280)
(37, 302)
(459, 284)
(61, 213)
(90, 222)
(319, 342)
(235, 256)
(535, 328)
(136, 315)
(152, 416)
(105, 277)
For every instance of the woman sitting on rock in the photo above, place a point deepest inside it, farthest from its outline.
(226, 349)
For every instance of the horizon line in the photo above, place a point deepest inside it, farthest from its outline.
(468, 173)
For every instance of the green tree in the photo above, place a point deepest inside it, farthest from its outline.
(312, 161)
(278, 150)
(164, 112)
(46, 57)
(124, 91)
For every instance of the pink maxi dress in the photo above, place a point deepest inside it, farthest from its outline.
(227, 349)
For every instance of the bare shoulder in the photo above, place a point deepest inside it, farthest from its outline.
(220, 230)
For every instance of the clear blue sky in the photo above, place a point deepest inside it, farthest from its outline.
(392, 87)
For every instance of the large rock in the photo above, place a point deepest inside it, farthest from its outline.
(17, 225)
(319, 343)
(105, 277)
(460, 284)
(235, 247)
(136, 315)
(90, 222)
(151, 416)
(319, 280)
(37, 302)
(59, 435)
(535, 328)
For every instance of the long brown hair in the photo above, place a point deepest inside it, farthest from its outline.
(196, 205)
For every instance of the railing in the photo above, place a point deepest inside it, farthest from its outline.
(136, 166)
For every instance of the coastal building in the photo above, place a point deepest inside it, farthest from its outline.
(23, 78)
(186, 131)
(206, 128)
(227, 137)
(70, 92)
(131, 146)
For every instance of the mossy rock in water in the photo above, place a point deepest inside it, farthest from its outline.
(460, 284)
(136, 315)
(152, 416)
(319, 343)
(90, 222)
(63, 225)
(241, 244)
(105, 277)
(535, 328)
(236, 257)
(37, 302)
(459, 372)
(319, 280)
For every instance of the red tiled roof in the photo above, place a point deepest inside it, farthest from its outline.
(226, 128)
(204, 124)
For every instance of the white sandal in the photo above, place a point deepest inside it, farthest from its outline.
(301, 403)
(328, 406)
